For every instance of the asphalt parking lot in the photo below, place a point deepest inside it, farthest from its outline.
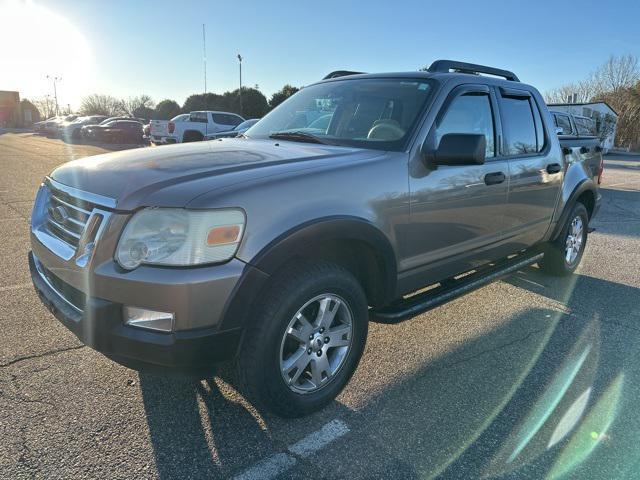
(529, 377)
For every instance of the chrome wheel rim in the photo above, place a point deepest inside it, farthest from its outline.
(574, 241)
(316, 343)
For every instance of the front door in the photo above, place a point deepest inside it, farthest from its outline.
(457, 212)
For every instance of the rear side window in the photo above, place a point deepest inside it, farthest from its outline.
(200, 117)
(469, 113)
(585, 126)
(225, 119)
(564, 123)
(519, 126)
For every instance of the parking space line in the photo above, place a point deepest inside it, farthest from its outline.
(317, 440)
(278, 463)
(268, 468)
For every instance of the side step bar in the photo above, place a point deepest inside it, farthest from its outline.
(421, 302)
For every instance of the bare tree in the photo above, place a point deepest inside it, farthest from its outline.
(97, 104)
(46, 106)
(616, 74)
(140, 106)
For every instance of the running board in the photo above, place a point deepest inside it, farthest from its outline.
(452, 288)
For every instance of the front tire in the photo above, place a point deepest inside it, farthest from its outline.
(562, 256)
(305, 340)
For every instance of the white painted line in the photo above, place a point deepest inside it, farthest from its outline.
(268, 468)
(317, 440)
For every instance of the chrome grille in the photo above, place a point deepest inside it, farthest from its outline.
(67, 217)
(68, 221)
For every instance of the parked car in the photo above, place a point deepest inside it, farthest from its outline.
(275, 249)
(72, 130)
(159, 130)
(201, 124)
(239, 130)
(119, 131)
(88, 131)
(50, 126)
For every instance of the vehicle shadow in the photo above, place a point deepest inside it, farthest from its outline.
(452, 416)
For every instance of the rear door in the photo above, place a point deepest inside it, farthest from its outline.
(457, 212)
(535, 169)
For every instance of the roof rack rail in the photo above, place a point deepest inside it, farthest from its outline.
(340, 73)
(463, 67)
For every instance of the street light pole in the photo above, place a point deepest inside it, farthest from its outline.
(240, 65)
(55, 90)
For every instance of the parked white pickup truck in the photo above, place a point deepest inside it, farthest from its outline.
(202, 123)
(159, 130)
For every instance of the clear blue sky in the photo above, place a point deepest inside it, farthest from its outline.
(155, 47)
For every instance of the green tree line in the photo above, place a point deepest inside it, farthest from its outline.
(252, 104)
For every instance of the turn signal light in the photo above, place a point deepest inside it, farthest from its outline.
(223, 235)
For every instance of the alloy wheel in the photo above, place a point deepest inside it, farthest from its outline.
(316, 343)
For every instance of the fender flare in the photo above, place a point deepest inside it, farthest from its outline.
(300, 240)
(583, 186)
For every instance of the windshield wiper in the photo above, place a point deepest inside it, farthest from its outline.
(298, 136)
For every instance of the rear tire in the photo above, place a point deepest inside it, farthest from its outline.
(562, 255)
(305, 339)
(192, 137)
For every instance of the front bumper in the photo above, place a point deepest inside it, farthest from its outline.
(98, 323)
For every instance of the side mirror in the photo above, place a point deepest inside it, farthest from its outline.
(461, 149)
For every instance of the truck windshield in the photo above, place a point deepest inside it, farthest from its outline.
(369, 113)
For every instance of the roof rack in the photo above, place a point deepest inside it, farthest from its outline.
(340, 73)
(463, 67)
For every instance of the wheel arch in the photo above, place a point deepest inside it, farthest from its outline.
(584, 192)
(353, 243)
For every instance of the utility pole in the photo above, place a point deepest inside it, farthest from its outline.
(204, 57)
(240, 64)
(55, 90)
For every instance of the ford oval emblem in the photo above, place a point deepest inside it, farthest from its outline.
(59, 214)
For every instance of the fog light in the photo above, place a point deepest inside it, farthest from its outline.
(149, 319)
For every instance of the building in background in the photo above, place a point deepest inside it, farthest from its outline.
(9, 108)
(16, 113)
(605, 118)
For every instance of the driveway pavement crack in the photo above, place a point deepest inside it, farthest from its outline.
(45, 354)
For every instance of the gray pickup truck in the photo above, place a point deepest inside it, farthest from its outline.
(274, 250)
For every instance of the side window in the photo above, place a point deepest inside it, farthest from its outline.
(585, 126)
(564, 123)
(519, 126)
(469, 113)
(200, 117)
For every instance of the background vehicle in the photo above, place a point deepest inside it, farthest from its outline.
(275, 248)
(72, 130)
(203, 123)
(87, 131)
(579, 139)
(50, 126)
(240, 129)
(119, 131)
(159, 130)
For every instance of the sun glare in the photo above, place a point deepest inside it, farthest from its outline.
(36, 42)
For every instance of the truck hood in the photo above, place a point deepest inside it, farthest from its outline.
(135, 178)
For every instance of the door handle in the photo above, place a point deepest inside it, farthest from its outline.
(584, 149)
(494, 178)
(554, 168)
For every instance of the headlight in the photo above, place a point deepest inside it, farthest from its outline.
(179, 237)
